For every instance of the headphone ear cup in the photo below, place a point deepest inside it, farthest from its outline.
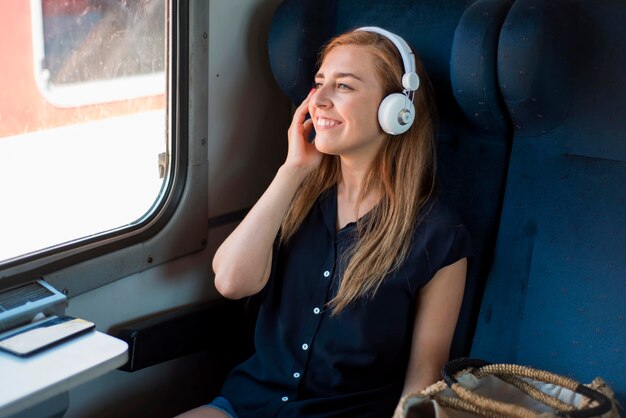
(396, 114)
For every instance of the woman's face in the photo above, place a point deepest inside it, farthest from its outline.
(344, 107)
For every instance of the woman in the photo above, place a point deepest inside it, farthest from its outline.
(361, 268)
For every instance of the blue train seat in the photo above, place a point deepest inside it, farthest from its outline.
(472, 150)
(556, 293)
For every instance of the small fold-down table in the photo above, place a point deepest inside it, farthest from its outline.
(26, 382)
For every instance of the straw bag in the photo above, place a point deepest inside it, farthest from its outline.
(475, 388)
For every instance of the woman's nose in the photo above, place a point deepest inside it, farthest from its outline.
(320, 97)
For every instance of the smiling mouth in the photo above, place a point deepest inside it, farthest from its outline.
(326, 123)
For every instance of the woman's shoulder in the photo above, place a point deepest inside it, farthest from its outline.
(441, 233)
(436, 213)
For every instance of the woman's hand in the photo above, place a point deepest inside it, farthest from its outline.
(302, 154)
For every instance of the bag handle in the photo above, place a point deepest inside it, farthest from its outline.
(502, 371)
(483, 368)
(434, 393)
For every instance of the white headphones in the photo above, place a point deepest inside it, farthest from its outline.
(396, 112)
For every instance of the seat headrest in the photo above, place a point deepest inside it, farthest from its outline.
(301, 27)
(473, 65)
(537, 64)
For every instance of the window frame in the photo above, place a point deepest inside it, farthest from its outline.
(111, 255)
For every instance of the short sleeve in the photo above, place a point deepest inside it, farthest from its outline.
(442, 237)
(460, 246)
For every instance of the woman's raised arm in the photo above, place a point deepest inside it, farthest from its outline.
(242, 263)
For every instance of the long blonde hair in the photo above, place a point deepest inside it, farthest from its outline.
(403, 172)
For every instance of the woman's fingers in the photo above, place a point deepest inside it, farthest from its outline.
(308, 128)
(303, 109)
(301, 152)
(299, 116)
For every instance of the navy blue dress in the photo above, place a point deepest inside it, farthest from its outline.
(311, 364)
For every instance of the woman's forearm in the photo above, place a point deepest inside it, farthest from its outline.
(242, 263)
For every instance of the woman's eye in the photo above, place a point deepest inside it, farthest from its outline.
(339, 86)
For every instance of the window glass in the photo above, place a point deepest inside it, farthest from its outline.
(102, 39)
(83, 120)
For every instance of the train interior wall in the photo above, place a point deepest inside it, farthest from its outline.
(247, 121)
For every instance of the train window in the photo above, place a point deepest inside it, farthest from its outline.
(84, 144)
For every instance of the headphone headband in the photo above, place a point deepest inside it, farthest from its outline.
(410, 80)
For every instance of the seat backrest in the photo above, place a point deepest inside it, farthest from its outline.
(473, 157)
(556, 293)
(472, 150)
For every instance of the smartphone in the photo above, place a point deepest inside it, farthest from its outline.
(35, 337)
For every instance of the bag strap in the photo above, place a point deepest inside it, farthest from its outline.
(534, 393)
(483, 368)
(434, 392)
